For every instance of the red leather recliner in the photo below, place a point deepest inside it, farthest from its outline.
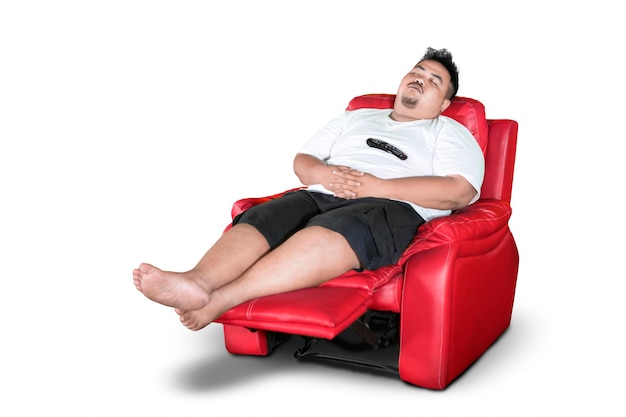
(442, 305)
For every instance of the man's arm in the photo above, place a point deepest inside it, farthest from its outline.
(437, 192)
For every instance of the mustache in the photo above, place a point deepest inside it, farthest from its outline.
(418, 85)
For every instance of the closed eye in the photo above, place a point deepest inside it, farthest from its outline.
(434, 78)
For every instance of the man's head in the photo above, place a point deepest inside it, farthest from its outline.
(428, 88)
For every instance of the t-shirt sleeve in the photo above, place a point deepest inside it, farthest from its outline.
(457, 153)
(321, 143)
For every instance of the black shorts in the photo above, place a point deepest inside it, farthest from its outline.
(377, 229)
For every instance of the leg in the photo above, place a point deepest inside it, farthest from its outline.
(254, 233)
(310, 257)
(227, 259)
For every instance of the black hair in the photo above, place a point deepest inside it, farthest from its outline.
(444, 57)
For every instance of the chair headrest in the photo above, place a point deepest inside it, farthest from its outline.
(467, 111)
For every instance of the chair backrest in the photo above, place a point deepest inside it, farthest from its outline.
(500, 135)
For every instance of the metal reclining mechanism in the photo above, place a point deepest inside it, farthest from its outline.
(374, 330)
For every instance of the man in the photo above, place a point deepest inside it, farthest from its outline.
(373, 176)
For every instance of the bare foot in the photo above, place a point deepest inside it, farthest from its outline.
(173, 289)
(198, 319)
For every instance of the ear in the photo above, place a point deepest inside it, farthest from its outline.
(445, 105)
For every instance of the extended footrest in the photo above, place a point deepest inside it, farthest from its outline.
(315, 312)
(320, 312)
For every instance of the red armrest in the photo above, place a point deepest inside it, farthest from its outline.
(479, 220)
(457, 293)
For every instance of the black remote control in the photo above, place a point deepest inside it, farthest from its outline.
(381, 144)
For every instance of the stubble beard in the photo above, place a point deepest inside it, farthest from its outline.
(409, 102)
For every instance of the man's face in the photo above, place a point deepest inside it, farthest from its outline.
(422, 92)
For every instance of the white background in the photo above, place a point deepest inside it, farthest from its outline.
(128, 129)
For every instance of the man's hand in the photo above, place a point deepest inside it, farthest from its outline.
(342, 181)
(346, 182)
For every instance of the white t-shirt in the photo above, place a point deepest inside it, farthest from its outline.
(439, 147)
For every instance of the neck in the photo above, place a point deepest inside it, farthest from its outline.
(399, 117)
